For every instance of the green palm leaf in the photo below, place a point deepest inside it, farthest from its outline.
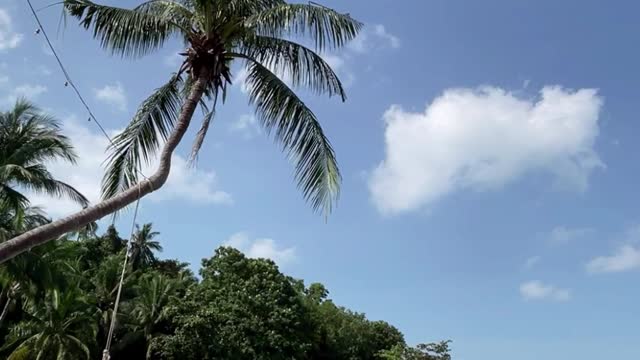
(325, 26)
(28, 140)
(300, 133)
(141, 139)
(124, 32)
(305, 67)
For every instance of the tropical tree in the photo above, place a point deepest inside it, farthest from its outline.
(216, 34)
(431, 351)
(16, 221)
(29, 139)
(143, 246)
(61, 327)
(149, 310)
(243, 309)
(30, 272)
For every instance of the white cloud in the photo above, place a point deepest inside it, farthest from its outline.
(27, 91)
(9, 39)
(241, 80)
(393, 40)
(340, 67)
(247, 125)
(44, 70)
(373, 37)
(184, 183)
(483, 139)
(563, 235)
(531, 262)
(625, 258)
(537, 290)
(113, 95)
(187, 183)
(261, 248)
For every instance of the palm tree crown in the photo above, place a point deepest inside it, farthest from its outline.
(29, 139)
(143, 246)
(61, 327)
(216, 33)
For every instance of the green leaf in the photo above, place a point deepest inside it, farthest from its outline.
(298, 130)
(152, 124)
(125, 32)
(305, 67)
(327, 27)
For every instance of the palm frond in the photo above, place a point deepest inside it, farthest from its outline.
(11, 199)
(61, 189)
(202, 133)
(302, 64)
(301, 136)
(124, 32)
(141, 139)
(173, 11)
(243, 8)
(325, 26)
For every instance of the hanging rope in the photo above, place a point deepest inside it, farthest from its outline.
(114, 314)
(69, 82)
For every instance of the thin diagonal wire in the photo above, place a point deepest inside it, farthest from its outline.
(114, 315)
(135, 214)
(69, 80)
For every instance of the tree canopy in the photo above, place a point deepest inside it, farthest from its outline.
(237, 308)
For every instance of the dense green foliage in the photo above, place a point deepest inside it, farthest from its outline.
(62, 296)
(29, 139)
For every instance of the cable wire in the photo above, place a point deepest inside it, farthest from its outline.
(69, 81)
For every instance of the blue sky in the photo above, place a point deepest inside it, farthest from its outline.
(487, 150)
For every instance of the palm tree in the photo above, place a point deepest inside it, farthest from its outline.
(60, 327)
(150, 307)
(29, 139)
(29, 275)
(29, 272)
(143, 246)
(16, 221)
(216, 34)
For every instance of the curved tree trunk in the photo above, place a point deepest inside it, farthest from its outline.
(42, 234)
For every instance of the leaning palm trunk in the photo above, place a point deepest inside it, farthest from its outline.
(217, 34)
(42, 234)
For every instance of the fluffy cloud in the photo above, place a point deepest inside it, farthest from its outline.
(183, 184)
(247, 125)
(373, 37)
(563, 235)
(382, 33)
(9, 39)
(537, 290)
(113, 95)
(483, 139)
(261, 248)
(625, 258)
(27, 91)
